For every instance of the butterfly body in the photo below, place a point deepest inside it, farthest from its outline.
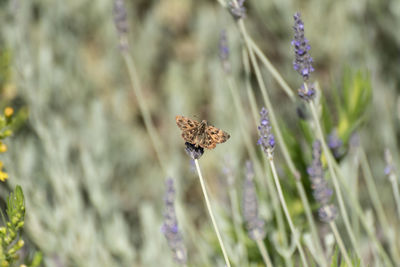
(200, 134)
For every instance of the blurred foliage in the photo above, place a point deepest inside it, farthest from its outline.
(10, 234)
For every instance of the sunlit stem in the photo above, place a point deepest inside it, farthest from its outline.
(333, 176)
(362, 216)
(210, 212)
(282, 144)
(295, 233)
(340, 243)
(378, 206)
(144, 110)
(264, 252)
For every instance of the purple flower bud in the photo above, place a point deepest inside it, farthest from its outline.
(303, 61)
(267, 139)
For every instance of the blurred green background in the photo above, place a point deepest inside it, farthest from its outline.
(92, 182)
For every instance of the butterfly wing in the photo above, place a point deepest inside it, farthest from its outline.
(213, 137)
(189, 128)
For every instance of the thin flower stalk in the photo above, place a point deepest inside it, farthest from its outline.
(264, 253)
(274, 72)
(303, 65)
(241, 115)
(282, 144)
(294, 231)
(391, 173)
(250, 46)
(377, 204)
(326, 152)
(339, 241)
(121, 23)
(354, 181)
(360, 213)
(237, 218)
(268, 104)
(270, 186)
(267, 143)
(249, 89)
(210, 212)
(322, 194)
(254, 224)
(250, 148)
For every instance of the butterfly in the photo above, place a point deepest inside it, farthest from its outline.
(200, 134)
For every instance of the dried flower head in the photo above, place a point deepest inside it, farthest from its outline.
(303, 61)
(321, 191)
(170, 225)
(121, 23)
(267, 139)
(237, 9)
(193, 151)
(254, 224)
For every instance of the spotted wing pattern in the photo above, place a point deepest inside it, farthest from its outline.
(193, 133)
(189, 128)
(214, 136)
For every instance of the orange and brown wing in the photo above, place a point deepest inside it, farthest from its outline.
(188, 127)
(214, 136)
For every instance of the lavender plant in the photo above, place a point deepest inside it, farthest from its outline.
(170, 226)
(88, 156)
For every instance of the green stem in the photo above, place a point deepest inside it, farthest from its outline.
(237, 222)
(137, 88)
(283, 145)
(340, 243)
(395, 188)
(286, 211)
(249, 89)
(264, 253)
(363, 218)
(268, 104)
(334, 179)
(272, 70)
(321, 256)
(242, 119)
(270, 186)
(210, 212)
(376, 202)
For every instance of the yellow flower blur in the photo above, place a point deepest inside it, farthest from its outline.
(3, 175)
(8, 111)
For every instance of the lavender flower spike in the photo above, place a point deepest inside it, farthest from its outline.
(321, 191)
(170, 226)
(303, 61)
(254, 224)
(267, 139)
